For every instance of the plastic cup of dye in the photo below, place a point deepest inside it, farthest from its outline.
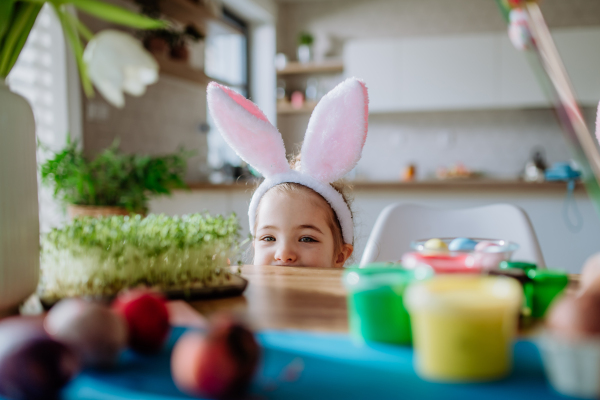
(547, 284)
(463, 326)
(376, 309)
(522, 265)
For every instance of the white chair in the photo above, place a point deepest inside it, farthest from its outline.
(400, 224)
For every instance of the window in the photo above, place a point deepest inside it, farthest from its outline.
(227, 63)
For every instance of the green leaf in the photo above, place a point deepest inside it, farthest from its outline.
(118, 15)
(23, 37)
(77, 48)
(6, 10)
(24, 16)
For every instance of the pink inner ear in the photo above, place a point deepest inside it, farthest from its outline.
(242, 101)
(336, 132)
(245, 128)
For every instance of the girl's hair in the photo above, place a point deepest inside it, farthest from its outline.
(340, 186)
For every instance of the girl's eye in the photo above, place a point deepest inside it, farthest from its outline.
(268, 239)
(307, 239)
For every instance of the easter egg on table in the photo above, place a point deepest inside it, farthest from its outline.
(219, 364)
(147, 319)
(435, 245)
(590, 274)
(33, 365)
(462, 244)
(576, 316)
(93, 330)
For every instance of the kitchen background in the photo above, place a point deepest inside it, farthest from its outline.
(477, 104)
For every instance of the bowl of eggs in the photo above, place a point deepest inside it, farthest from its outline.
(459, 254)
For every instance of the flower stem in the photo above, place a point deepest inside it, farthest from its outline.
(77, 47)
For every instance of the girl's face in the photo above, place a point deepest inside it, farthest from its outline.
(293, 229)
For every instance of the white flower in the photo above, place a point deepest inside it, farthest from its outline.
(118, 63)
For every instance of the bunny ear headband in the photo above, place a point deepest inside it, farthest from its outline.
(332, 146)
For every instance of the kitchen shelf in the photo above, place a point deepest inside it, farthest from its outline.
(187, 12)
(296, 68)
(182, 70)
(286, 108)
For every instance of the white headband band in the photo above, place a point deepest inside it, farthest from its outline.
(332, 146)
(332, 196)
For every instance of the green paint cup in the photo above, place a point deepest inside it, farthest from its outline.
(376, 309)
(547, 284)
(525, 266)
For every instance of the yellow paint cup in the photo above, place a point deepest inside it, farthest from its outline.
(463, 326)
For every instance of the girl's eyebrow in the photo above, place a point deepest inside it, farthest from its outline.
(310, 227)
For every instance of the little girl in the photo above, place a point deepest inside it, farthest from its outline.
(297, 216)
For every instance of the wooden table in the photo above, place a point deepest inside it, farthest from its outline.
(287, 298)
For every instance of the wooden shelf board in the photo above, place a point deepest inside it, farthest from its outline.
(293, 68)
(286, 108)
(182, 70)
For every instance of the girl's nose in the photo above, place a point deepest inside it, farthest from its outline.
(286, 254)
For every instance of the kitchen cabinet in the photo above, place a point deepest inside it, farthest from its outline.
(449, 73)
(467, 72)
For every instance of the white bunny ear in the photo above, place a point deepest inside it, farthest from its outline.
(247, 130)
(336, 132)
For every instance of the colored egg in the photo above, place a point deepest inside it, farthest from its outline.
(93, 330)
(32, 365)
(217, 365)
(462, 244)
(590, 274)
(485, 244)
(147, 319)
(435, 244)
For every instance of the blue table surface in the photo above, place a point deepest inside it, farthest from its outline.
(301, 365)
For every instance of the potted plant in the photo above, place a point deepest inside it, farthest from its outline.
(112, 183)
(305, 41)
(19, 228)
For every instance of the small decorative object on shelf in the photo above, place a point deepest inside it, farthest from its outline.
(172, 42)
(281, 61)
(113, 183)
(305, 41)
(297, 100)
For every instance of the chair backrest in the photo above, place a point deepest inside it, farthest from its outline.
(400, 224)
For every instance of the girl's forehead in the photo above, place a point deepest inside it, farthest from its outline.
(292, 205)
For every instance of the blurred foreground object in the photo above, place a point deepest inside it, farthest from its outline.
(32, 365)
(96, 333)
(19, 220)
(219, 364)
(571, 345)
(147, 319)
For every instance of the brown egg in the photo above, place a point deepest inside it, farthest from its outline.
(590, 274)
(93, 330)
(576, 316)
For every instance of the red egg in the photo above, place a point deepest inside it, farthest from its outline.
(219, 365)
(32, 365)
(147, 319)
(96, 332)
